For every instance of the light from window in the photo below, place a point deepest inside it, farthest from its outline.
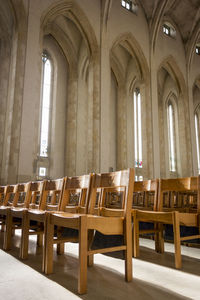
(197, 50)
(46, 93)
(127, 4)
(42, 172)
(137, 129)
(169, 30)
(166, 29)
(197, 140)
(172, 160)
(138, 178)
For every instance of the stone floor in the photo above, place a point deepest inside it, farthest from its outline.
(154, 275)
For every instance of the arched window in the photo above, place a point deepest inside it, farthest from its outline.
(46, 105)
(171, 137)
(196, 118)
(137, 129)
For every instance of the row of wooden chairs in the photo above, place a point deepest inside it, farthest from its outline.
(176, 202)
(81, 207)
(98, 202)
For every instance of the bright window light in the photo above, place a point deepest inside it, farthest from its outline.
(42, 172)
(46, 94)
(197, 140)
(197, 50)
(127, 4)
(171, 134)
(137, 129)
(123, 3)
(169, 30)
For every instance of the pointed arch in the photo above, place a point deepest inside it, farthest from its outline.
(131, 69)
(177, 86)
(73, 11)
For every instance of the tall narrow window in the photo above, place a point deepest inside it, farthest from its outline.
(46, 94)
(137, 129)
(197, 139)
(171, 138)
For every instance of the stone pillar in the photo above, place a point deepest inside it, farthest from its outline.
(29, 142)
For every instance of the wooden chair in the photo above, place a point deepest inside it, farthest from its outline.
(145, 194)
(10, 199)
(145, 197)
(172, 213)
(74, 200)
(51, 190)
(2, 193)
(109, 221)
(32, 191)
(2, 196)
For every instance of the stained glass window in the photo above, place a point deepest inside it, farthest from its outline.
(46, 96)
(137, 129)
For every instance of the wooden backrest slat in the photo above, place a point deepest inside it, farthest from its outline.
(75, 194)
(146, 194)
(179, 194)
(48, 187)
(120, 179)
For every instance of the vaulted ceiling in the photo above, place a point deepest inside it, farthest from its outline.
(185, 14)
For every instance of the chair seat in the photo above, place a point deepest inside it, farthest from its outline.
(106, 225)
(18, 209)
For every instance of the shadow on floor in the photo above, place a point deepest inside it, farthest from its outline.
(104, 282)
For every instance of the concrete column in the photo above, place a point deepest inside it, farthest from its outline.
(32, 86)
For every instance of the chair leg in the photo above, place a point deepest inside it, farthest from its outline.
(25, 236)
(8, 232)
(60, 246)
(90, 241)
(48, 246)
(83, 246)
(159, 239)
(136, 250)
(40, 240)
(128, 251)
(2, 227)
(177, 240)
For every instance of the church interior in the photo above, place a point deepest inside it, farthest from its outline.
(100, 149)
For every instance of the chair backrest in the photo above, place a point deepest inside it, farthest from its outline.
(145, 194)
(122, 182)
(181, 194)
(33, 191)
(2, 193)
(75, 194)
(9, 194)
(50, 190)
(19, 194)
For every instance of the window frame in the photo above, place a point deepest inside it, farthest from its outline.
(137, 120)
(197, 49)
(171, 132)
(45, 53)
(171, 30)
(197, 136)
(44, 161)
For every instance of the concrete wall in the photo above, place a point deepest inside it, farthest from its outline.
(100, 52)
